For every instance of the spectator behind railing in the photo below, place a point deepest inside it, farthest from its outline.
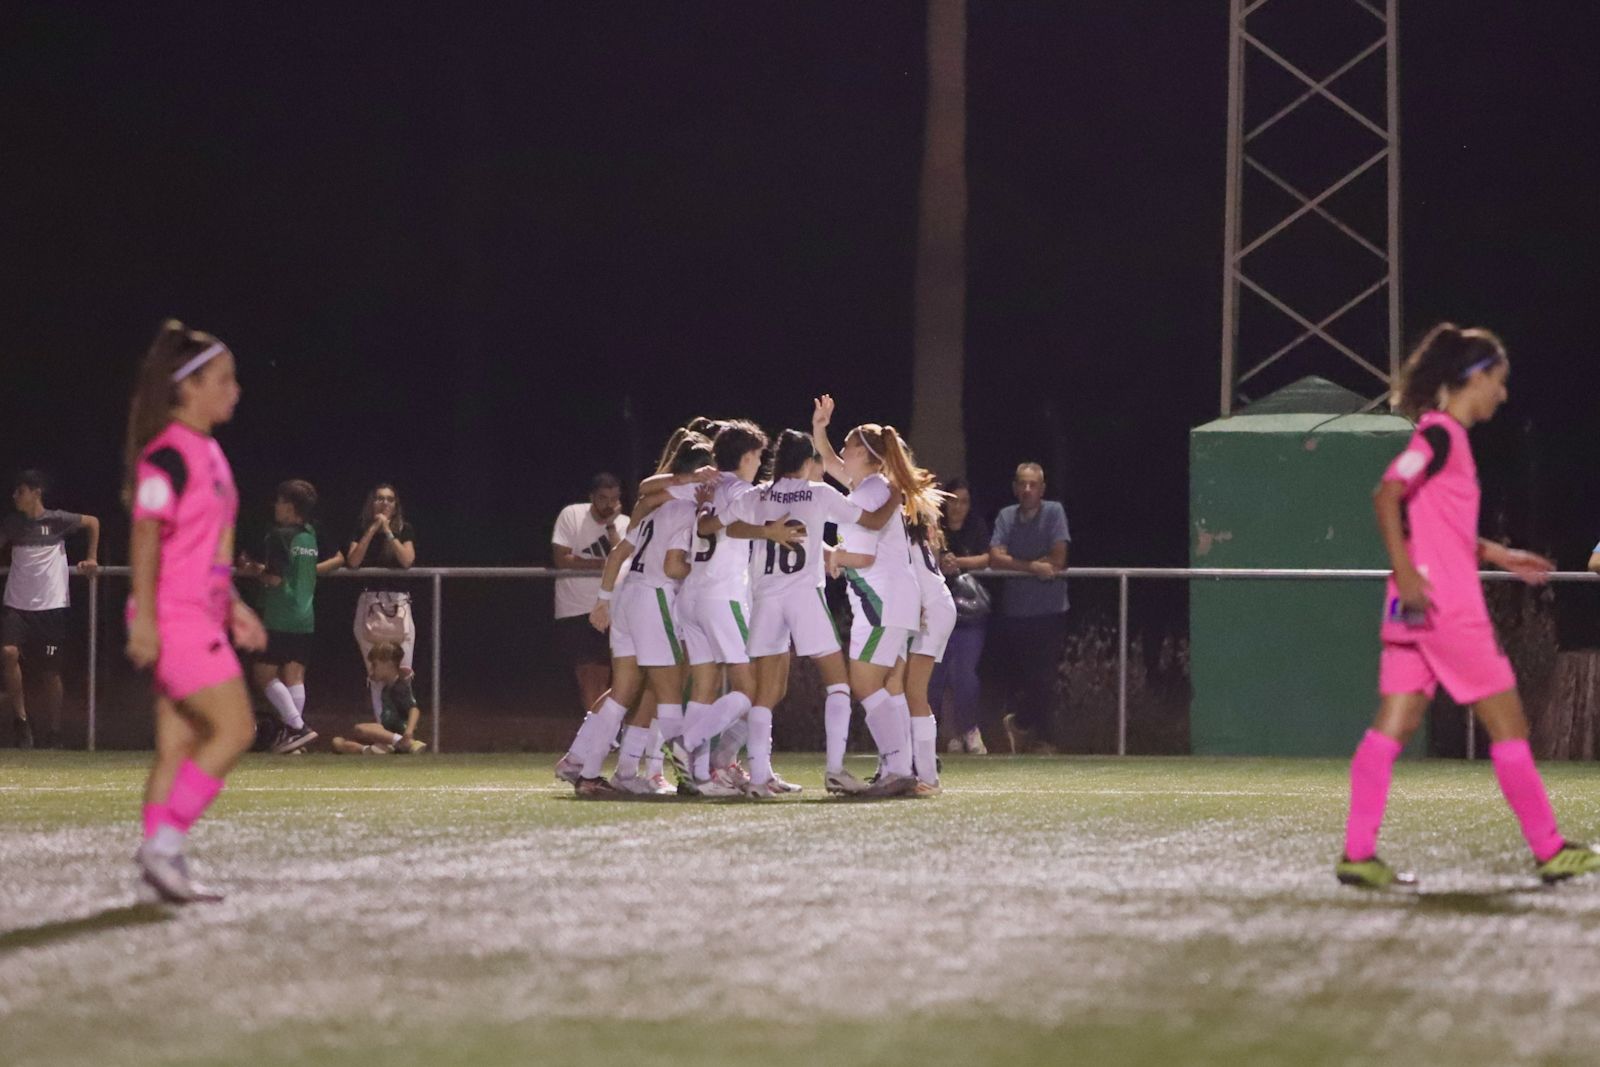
(583, 537)
(1031, 537)
(966, 538)
(288, 572)
(383, 538)
(33, 621)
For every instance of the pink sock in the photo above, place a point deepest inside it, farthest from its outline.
(193, 790)
(1524, 791)
(154, 816)
(1370, 771)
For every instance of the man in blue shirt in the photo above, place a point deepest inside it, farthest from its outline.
(1031, 537)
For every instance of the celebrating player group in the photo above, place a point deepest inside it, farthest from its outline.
(721, 577)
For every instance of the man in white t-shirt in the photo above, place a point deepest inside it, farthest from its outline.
(584, 535)
(33, 620)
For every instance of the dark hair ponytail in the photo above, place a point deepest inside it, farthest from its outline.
(155, 394)
(795, 449)
(1444, 359)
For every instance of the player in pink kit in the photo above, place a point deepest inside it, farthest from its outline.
(1436, 627)
(183, 606)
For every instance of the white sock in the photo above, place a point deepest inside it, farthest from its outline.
(635, 739)
(900, 763)
(696, 724)
(836, 722)
(397, 740)
(760, 720)
(167, 840)
(925, 747)
(729, 709)
(610, 718)
(583, 738)
(669, 720)
(375, 694)
(700, 763)
(879, 725)
(299, 694)
(277, 695)
(731, 740)
(652, 749)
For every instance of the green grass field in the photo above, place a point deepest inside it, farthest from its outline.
(464, 910)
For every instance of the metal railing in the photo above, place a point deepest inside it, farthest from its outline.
(1123, 575)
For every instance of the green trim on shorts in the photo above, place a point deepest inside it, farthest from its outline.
(666, 620)
(738, 617)
(872, 644)
(837, 636)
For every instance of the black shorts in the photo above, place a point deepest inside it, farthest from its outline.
(286, 648)
(41, 635)
(581, 643)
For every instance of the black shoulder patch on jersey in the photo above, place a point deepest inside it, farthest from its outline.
(177, 472)
(1438, 439)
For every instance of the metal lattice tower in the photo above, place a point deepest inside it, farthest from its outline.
(1305, 274)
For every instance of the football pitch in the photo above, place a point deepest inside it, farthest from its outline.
(466, 910)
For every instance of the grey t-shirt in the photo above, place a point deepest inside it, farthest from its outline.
(38, 578)
(1030, 540)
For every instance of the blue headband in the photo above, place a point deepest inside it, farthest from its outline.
(1482, 364)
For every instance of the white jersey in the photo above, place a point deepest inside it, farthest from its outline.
(886, 593)
(780, 568)
(930, 579)
(722, 563)
(671, 526)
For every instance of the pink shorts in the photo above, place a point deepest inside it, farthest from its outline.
(196, 653)
(1468, 662)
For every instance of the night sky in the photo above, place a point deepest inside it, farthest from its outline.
(486, 256)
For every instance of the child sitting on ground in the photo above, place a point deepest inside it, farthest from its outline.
(397, 721)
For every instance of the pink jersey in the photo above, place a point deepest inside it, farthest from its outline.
(1441, 512)
(185, 483)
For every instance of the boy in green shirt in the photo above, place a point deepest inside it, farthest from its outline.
(398, 713)
(288, 585)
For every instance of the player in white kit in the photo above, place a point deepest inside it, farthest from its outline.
(645, 645)
(927, 649)
(885, 602)
(715, 605)
(788, 603)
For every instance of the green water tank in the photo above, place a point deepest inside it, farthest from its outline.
(1287, 668)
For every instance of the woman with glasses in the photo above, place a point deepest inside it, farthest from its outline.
(383, 539)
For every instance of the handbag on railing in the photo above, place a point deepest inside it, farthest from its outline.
(387, 617)
(972, 599)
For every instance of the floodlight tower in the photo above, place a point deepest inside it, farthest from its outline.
(1301, 266)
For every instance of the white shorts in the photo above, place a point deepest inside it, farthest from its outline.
(800, 614)
(882, 646)
(714, 631)
(642, 626)
(938, 623)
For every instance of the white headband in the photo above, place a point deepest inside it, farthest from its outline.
(863, 439)
(199, 361)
